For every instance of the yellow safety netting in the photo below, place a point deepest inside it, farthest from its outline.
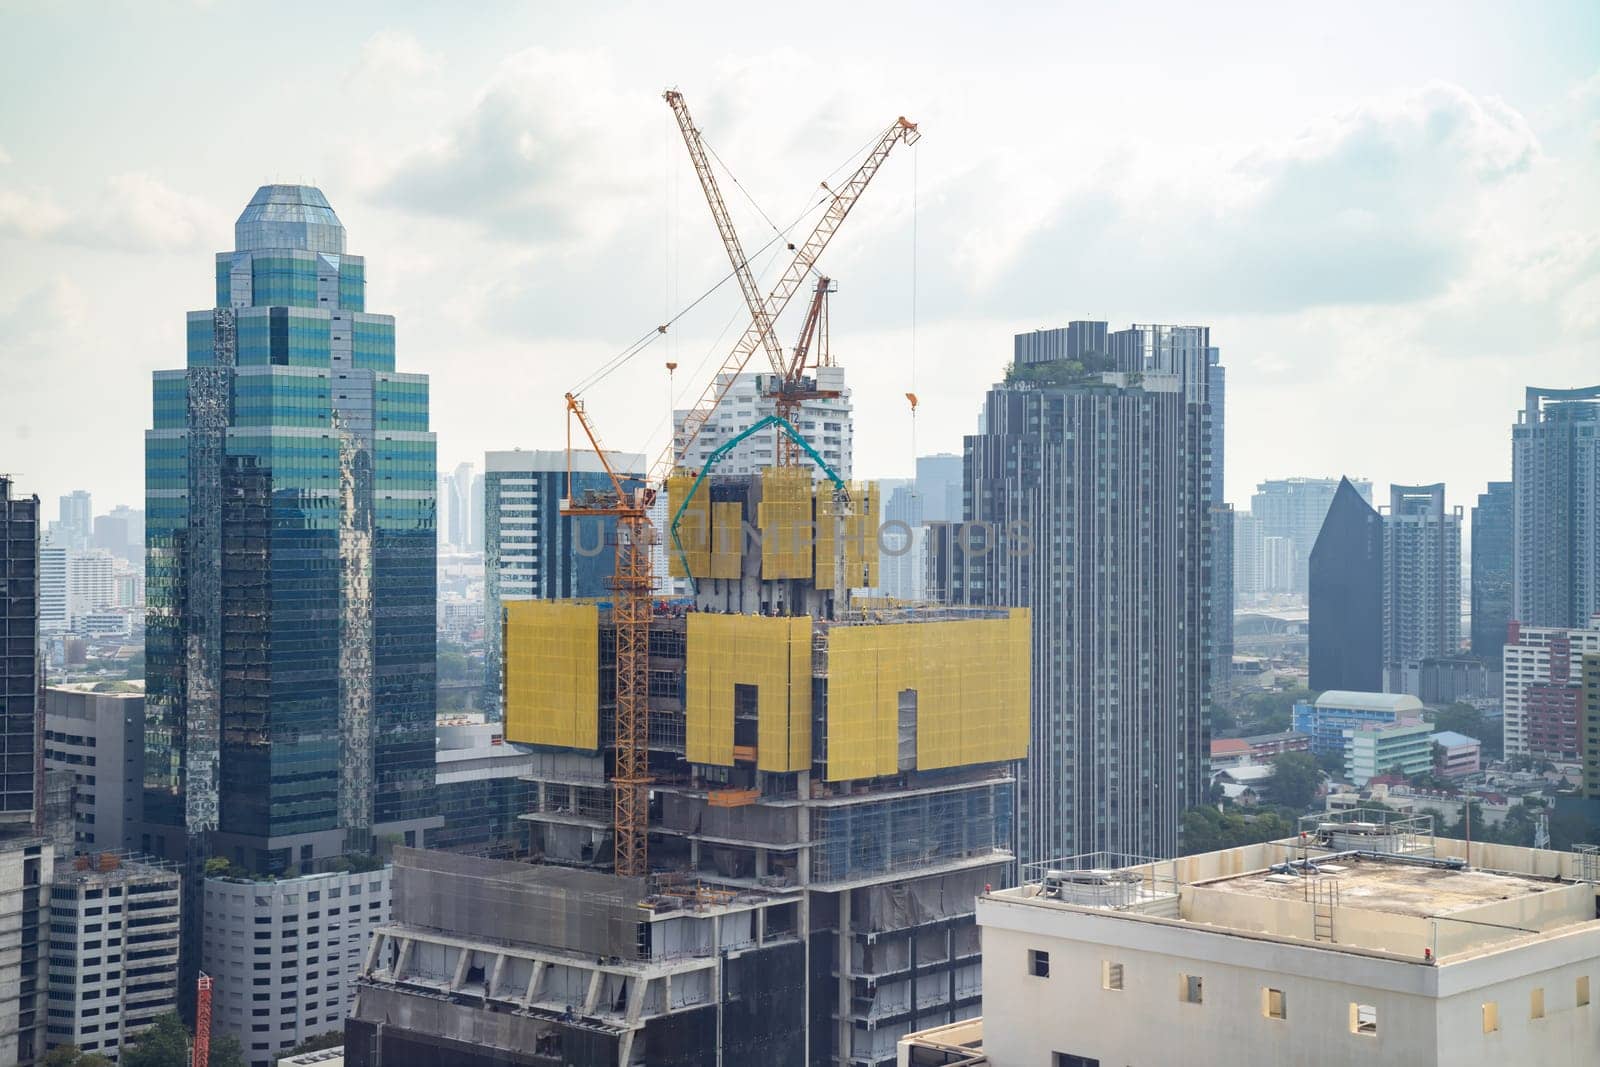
(784, 517)
(694, 528)
(970, 678)
(771, 654)
(860, 532)
(553, 673)
(727, 548)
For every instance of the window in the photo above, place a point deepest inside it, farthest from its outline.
(1067, 1059)
(1273, 1005)
(1038, 963)
(1364, 1019)
(1583, 991)
(1536, 1004)
(1110, 975)
(1191, 988)
(1491, 1017)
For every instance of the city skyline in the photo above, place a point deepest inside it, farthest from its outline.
(1469, 143)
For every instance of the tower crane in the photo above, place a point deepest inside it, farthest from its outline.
(632, 581)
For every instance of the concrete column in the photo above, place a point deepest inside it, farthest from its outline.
(845, 1028)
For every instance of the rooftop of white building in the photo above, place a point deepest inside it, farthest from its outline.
(1348, 699)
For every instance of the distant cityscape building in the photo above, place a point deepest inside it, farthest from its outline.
(1555, 454)
(1249, 562)
(1372, 749)
(1262, 955)
(825, 422)
(1222, 521)
(939, 487)
(462, 516)
(1295, 508)
(483, 787)
(98, 738)
(904, 543)
(114, 924)
(55, 616)
(1542, 678)
(75, 529)
(1346, 631)
(1421, 583)
(121, 532)
(1493, 543)
(1089, 422)
(532, 551)
(1280, 565)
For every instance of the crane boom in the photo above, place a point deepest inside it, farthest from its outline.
(760, 320)
(842, 200)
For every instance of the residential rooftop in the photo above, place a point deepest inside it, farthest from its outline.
(1354, 701)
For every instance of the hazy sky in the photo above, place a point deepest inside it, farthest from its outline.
(1389, 214)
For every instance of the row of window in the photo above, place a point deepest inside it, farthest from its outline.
(1275, 1004)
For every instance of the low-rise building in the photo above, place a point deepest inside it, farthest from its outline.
(1229, 752)
(1326, 719)
(1403, 748)
(1364, 942)
(283, 954)
(113, 950)
(98, 738)
(1456, 755)
(1264, 746)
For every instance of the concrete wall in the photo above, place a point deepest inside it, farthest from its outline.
(1026, 1018)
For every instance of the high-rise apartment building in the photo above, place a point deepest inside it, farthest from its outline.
(26, 862)
(1555, 475)
(75, 528)
(463, 518)
(1222, 532)
(533, 552)
(1493, 538)
(903, 541)
(824, 421)
(1421, 583)
(1294, 508)
(1346, 583)
(1092, 478)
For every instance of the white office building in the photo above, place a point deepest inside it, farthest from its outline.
(113, 950)
(1374, 944)
(98, 738)
(823, 422)
(283, 954)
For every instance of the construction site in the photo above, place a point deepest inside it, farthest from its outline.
(760, 813)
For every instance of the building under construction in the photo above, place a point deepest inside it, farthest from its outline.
(829, 791)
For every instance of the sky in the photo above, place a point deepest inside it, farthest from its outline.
(1389, 215)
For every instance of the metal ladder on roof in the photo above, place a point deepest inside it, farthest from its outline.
(1323, 892)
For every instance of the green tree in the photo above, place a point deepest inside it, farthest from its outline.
(1294, 781)
(61, 1056)
(452, 666)
(165, 1044)
(1205, 829)
(331, 1039)
(227, 1052)
(1468, 720)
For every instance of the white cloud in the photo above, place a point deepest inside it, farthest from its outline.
(394, 56)
(132, 212)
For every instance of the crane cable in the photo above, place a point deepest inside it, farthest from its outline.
(622, 358)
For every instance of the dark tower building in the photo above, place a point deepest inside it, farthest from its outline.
(1492, 536)
(1346, 588)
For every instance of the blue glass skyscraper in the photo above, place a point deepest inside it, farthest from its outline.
(291, 547)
